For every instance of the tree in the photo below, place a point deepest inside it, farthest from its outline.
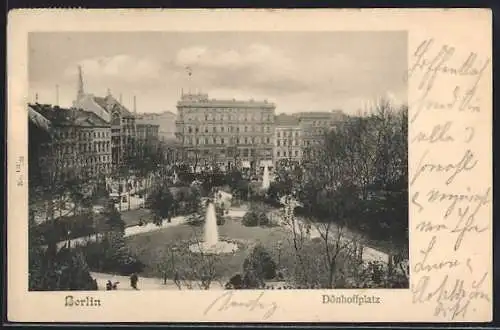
(161, 201)
(113, 219)
(52, 270)
(356, 179)
(367, 156)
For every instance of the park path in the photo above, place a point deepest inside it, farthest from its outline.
(369, 253)
(145, 283)
(129, 231)
(149, 227)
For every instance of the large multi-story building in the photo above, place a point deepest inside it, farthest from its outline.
(77, 144)
(108, 108)
(288, 138)
(315, 124)
(146, 132)
(165, 120)
(225, 133)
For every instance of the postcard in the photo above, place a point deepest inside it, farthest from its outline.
(250, 165)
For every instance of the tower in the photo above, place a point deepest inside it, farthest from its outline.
(81, 91)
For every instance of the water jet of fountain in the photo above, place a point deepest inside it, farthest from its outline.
(265, 178)
(211, 230)
(212, 244)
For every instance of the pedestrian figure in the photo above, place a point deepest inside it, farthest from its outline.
(109, 286)
(133, 281)
(115, 285)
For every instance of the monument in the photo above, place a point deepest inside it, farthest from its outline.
(212, 244)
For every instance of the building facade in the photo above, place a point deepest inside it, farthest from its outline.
(77, 144)
(225, 133)
(109, 109)
(123, 128)
(165, 121)
(146, 132)
(288, 138)
(314, 125)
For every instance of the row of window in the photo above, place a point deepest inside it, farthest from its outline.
(285, 134)
(229, 117)
(323, 123)
(221, 140)
(73, 134)
(231, 129)
(295, 153)
(286, 142)
(99, 159)
(103, 160)
(315, 131)
(245, 152)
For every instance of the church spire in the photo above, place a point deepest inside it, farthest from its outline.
(81, 91)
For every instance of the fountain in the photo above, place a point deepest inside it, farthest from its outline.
(211, 243)
(265, 178)
(211, 231)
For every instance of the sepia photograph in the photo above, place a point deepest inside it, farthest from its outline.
(243, 166)
(217, 160)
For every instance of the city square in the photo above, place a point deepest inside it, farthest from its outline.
(221, 193)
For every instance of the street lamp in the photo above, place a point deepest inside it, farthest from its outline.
(69, 239)
(279, 253)
(172, 250)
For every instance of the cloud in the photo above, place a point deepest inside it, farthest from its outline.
(125, 67)
(257, 66)
(254, 55)
(261, 67)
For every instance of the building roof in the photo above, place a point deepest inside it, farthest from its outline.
(38, 119)
(88, 118)
(45, 115)
(202, 100)
(286, 120)
(153, 115)
(110, 103)
(54, 114)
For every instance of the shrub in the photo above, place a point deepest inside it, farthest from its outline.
(112, 255)
(255, 216)
(252, 280)
(261, 263)
(235, 282)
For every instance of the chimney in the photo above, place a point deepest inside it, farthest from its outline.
(120, 98)
(135, 105)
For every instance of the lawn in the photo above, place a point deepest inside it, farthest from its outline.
(154, 249)
(132, 217)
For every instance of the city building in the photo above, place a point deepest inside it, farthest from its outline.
(225, 133)
(111, 110)
(165, 120)
(315, 124)
(77, 143)
(146, 132)
(288, 138)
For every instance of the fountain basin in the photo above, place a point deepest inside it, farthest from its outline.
(218, 248)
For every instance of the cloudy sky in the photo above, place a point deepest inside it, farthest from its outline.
(309, 71)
